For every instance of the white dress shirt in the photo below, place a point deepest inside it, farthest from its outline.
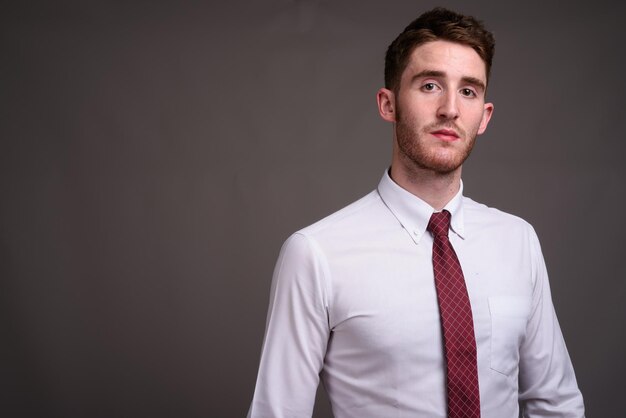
(353, 301)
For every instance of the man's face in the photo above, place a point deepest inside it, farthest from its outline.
(440, 107)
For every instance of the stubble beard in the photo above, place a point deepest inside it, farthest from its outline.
(435, 158)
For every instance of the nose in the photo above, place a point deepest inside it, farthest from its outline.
(448, 108)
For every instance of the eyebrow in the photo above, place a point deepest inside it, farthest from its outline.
(439, 74)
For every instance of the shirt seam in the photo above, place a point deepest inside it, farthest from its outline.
(324, 282)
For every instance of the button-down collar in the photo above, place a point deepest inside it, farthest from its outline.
(413, 213)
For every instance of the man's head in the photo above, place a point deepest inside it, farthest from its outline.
(436, 78)
(437, 24)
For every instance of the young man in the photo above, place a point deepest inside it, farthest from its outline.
(416, 301)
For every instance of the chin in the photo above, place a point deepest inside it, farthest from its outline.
(442, 165)
(442, 168)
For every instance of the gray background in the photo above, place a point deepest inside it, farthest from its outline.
(155, 155)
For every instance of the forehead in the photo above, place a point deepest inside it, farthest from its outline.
(451, 58)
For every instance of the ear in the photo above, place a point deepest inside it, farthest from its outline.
(386, 104)
(487, 112)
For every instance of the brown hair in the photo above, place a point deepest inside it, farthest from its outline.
(437, 24)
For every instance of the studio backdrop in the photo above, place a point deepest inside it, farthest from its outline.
(154, 155)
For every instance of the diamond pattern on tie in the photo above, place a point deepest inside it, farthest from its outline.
(457, 323)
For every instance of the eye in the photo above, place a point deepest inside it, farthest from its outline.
(429, 87)
(468, 92)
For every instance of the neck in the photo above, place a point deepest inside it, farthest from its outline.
(436, 189)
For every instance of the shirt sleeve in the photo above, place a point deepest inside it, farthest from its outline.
(296, 334)
(547, 382)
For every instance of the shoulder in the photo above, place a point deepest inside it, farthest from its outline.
(357, 213)
(354, 223)
(483, 217)
(305, 253)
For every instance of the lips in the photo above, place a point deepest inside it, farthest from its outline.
(446, 134)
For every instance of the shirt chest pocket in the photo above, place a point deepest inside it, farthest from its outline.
(509, 316)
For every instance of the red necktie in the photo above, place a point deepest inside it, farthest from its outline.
(457, 323)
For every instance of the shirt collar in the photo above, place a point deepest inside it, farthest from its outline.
(413, 213)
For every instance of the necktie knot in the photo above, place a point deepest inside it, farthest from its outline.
(439, 223)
